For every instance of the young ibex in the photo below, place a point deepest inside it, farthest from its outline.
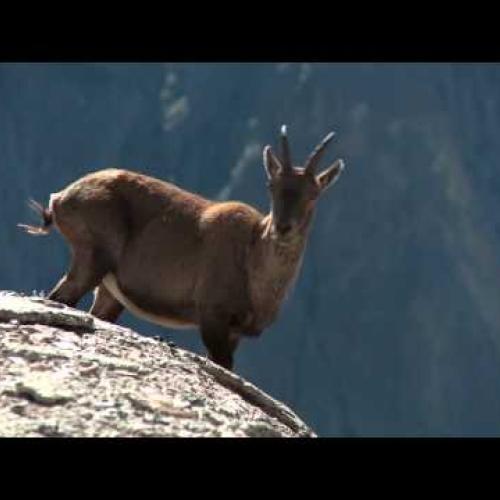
(176, 259)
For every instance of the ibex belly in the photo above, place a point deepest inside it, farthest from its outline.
(111, 283)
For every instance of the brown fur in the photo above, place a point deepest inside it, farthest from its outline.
(177, 259)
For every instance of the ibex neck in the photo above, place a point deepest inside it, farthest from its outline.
(283, 256)
(275, 264)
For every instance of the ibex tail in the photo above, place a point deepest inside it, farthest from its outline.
(46, 215)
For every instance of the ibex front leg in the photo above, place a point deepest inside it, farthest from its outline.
(220, 343)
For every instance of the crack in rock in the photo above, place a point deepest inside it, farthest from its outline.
(43, 312)
(257, 397)
(45, 389)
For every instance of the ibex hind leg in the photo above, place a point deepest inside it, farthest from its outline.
(88, 267)
(93, 245)
(105, 306)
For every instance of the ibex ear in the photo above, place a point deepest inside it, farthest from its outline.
(271, 163)
(331, 174)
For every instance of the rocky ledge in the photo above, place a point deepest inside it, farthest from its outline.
(65, 373)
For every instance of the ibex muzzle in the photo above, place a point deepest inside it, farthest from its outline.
(180, 260)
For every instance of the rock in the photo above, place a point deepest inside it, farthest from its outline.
(65, 373)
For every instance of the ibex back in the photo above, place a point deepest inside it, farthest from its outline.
(177, 259)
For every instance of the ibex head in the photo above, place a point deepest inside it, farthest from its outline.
(294, 190)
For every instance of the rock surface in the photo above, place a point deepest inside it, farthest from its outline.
(65, 373)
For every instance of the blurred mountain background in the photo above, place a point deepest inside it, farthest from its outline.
(393, 328)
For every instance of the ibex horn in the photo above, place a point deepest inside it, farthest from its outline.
(285, 150)
(316, 155)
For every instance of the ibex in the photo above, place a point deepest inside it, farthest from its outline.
(179, 260)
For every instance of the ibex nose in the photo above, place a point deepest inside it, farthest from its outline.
(283, 228)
